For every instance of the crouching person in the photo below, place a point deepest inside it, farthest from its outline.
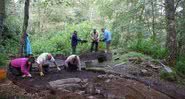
(43, 63)
(72, 63)
(21, 66)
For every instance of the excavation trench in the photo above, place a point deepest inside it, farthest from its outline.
(86, 84)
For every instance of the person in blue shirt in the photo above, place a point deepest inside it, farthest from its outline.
(74, 41)
(106, 38)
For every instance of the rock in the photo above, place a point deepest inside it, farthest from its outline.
(107, 81)
(98, 91)
(80, 92)
(91, 97)
(111, 76)
(136, 60)
(101, 76)
(70, 87)
(149, 64)
(64, 81)
(90, 89)
(84, 81)
(144, 72)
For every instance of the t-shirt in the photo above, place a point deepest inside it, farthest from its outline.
(107, 35)
(70, 58)
(43, 58)
(21, 63)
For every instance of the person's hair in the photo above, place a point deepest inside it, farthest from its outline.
(75, 60)
(75, 31)
(31, 59)
(103, 29)
(94, 30)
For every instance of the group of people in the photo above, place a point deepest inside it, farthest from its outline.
(95, 37)
(23, 66)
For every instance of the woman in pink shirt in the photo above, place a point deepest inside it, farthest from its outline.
(21, 66)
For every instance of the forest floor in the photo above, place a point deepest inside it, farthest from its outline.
(136, 78)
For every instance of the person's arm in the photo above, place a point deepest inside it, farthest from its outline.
(53, 60)
(24, 70)
(57, 66)
(98, 36)
(105, 36)
(92, 38)
(39, 64)
(66, 63)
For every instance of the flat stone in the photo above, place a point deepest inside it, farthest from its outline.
(64, 81)
(107, 81)
(70, 87)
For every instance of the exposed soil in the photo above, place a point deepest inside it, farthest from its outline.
(126, 81)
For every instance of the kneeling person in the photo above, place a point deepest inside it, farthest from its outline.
(72, 63)
(43, 62)
(21, 66)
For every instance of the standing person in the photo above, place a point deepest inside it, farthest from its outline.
(27, 47)
(107, 38)
(72, 63)
(95, 40)
(21, 66)
(43, 62)
(74, 41)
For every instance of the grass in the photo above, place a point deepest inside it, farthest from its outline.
(149, 47)
(124, 56)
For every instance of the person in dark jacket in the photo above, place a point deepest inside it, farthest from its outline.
(74, 42)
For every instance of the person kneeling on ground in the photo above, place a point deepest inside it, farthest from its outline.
(43, 62)
(72, 63)
(21, 66)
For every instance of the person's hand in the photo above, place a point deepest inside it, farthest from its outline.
(58, 68)
(29, 75)
(23, 76)
(41, 74)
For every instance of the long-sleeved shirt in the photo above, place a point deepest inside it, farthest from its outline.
(107, 36)
(43, 58)
(74, 40)
(70, 60)
(21, 63)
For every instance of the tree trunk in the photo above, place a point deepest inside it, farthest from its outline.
(2, 13)
(171, 42)
(25, 25)
(153, 22)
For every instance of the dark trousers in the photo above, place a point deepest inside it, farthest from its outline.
(71, 67)
(45, 68)
(15, 70)
(73, 49)
(94, 43)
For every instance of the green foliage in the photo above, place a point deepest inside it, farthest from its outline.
(180, 66)
(11, 34)
(148, 47)
(59, 42)
(3, 60)
(168, 76)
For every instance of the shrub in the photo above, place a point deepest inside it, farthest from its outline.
(180, 66)
(168, 76)
(148, 47)
(3, 60)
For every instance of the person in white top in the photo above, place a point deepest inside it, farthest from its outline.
(72, 63)
(95, 40)
(44, 59)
